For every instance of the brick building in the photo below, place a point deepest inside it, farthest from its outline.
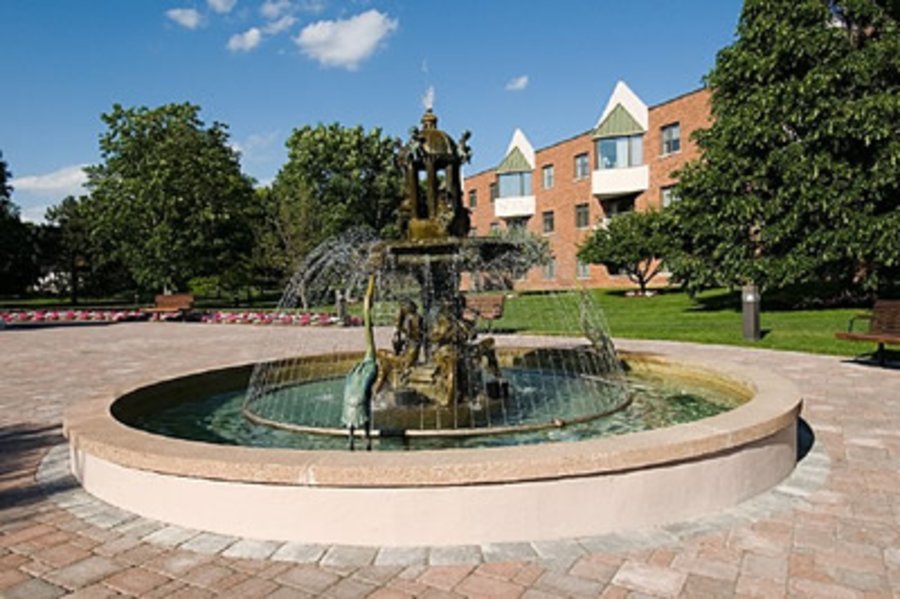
(564, 191)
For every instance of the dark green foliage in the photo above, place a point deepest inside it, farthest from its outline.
(18, 267)
(336, 178)
(70, 249)
(169, 200)
(632, 243)
(800, 176)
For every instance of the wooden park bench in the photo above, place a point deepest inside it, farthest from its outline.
(884, 327)
(485, 307)
(180, 303)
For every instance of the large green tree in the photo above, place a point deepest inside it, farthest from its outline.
(70, 248)
(336, 178)
(633, 243)
(18, 268)
(169, 198)
(799, 180)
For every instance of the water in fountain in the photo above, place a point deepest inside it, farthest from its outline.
(546, 381)
(439, 375)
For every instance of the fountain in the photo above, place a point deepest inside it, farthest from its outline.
(440, 378)
(470, 427)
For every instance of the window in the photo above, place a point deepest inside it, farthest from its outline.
(582, 270)
(514, 184)
(613, 208)
(547, 172)
(548, 221)
(473, 199)
(582, 216)
(494, 192)
(671, 139)
(581, 166)
(495, 227)
(517, 224)
(549, 269)
(668, 196)
(620, 152)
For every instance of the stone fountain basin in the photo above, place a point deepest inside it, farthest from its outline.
(439, 497)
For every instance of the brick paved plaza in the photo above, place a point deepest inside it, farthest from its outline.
(831, 530)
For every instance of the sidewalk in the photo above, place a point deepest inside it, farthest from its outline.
(833, 530)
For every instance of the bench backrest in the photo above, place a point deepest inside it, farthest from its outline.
(182, 301)
(886, 317)
(488, 307)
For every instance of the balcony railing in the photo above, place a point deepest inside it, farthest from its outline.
(514, 206)
(612, 182)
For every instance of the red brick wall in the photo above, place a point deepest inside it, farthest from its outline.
(483, 214)
(691, 111)
(561, 200)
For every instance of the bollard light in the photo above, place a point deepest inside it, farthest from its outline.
(750, 301)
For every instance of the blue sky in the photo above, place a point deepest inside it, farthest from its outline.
(264, 67)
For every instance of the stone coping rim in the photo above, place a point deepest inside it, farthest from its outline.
(90, 427)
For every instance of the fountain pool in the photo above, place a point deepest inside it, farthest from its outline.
(511, 438)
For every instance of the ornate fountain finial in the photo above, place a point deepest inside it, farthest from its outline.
(433, 210)
(429, 119)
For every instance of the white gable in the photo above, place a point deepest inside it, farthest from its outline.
(520, 141)
(623, 95)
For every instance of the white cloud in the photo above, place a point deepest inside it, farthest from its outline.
(186, 17)
(65, 181)
(36, 193)
(244, 42)
(428, 98)
(280, 25)
(311, 6)
(221, 6)
(34, 214)
(517, 84)
(272, 9)
(345, 42)
(256, 142)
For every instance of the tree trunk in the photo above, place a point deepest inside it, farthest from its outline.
(643, 285)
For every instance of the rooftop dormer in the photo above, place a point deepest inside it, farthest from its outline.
(619, 167)
(514, 175)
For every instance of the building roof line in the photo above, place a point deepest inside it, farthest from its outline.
(591, 130)
(679, 97)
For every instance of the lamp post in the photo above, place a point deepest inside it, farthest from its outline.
(750, 300)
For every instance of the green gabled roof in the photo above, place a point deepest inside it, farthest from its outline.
(514, 162)
(618, 123)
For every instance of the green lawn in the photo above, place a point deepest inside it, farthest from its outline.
(715, 317)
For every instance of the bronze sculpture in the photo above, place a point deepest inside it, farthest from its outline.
(436, 360)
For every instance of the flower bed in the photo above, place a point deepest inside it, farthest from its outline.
(25, 316)
(279, 318)
(274, 318)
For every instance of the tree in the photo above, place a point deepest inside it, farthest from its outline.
(285, 231)
(336, 178)
(800, 171)
(633, 242)
(524, 251)
(169, 199)
(18, 267)
(69, 234)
